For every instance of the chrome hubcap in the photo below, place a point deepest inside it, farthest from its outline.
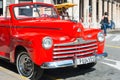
(25, 65)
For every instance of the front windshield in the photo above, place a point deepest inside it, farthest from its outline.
(34, 11)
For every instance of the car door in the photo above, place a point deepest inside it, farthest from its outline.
(4, 37)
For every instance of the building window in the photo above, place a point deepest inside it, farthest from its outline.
(59, 1)
(25, 1)
(1, 7)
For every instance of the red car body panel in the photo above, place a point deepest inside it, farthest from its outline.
(29, 33)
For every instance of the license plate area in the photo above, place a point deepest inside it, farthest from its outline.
(86, 60)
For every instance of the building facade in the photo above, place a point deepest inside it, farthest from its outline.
(89, 12)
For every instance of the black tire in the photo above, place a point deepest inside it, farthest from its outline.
(27, 68)
(87, 66)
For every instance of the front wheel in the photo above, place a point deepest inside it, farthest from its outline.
(27, 68)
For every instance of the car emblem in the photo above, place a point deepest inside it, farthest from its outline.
(89, 35)
(78, 30)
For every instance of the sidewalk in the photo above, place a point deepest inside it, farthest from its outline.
(113, 31)
(9, 75)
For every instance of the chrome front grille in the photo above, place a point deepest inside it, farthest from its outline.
(78, 48)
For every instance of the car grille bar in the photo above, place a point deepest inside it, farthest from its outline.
(75, 51)
(77, 48)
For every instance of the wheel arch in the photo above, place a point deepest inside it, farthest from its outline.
(18, 49)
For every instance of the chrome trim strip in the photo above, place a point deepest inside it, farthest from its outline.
(75, 51)
(100, 56)
(55, 57)
(92, 52)
(57, 64)
(56, 49)
(4, 57)
(78, 41)
(66, 63)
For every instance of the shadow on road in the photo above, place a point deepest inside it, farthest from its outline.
(67, 72)
(51, 74)
(6, 64)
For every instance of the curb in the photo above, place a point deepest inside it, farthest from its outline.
(113, 30)
(6, 74)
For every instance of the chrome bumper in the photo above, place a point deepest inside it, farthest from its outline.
(67, 63)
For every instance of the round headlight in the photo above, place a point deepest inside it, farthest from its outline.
(101, 36)
(47, 42)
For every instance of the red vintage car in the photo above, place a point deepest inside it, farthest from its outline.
(33, 36)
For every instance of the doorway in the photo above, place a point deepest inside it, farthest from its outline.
(1, 7)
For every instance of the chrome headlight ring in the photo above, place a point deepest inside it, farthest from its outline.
(47, 42)
(101, 37)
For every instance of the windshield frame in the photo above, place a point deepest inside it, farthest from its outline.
(29, 4)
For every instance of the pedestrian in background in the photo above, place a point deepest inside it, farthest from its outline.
(64, 14)
(105, 22)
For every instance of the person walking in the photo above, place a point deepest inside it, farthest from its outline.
(105, 22)
(64, 14)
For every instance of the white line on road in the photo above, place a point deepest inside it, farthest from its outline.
(116, 65)
(117, 38)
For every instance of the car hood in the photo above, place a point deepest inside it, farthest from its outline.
(57, 29)
(47, 26)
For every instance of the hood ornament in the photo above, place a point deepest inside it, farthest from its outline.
(78, 30)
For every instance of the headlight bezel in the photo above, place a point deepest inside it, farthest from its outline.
(101, 37)
(47, 44)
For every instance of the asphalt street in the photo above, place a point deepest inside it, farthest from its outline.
(107, 69)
